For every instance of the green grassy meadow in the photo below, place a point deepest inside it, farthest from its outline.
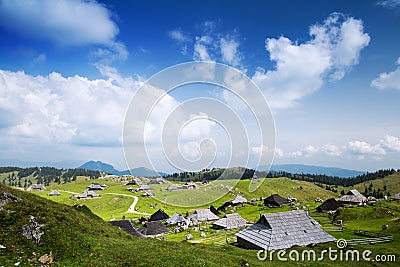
(112, 206)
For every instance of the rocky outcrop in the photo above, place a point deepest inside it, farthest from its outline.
(32, 231)
(6, 198)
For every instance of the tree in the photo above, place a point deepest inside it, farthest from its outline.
(384, 188)
(342, 192)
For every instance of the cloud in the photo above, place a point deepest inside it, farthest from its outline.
(199, 127)
(362, 148)
(72, 22)
(388, 3)
(107, 55)
(200, 51)
(66, 23)
(41, 58)
(332, 150)
(391, 143)
(178, 35)
(389, 80)
(301, 69)
(62, 110)
(278, 152)
(181, 38)
(306, 152)
(229, 50)
(259, 150)
(211, 45)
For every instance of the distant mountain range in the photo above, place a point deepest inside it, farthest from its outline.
(142, 171)
(107, 168)
(310, 169)
(291, 168)
(64, 164)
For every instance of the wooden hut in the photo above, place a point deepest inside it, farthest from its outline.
(159, 215)
(329, 205)
(275, 200)
(282, 230)
(231, 221)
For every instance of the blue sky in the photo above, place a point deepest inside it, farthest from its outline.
(330, 71)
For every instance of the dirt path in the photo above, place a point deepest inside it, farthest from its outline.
(132, 207)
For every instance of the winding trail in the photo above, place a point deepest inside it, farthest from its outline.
(132, 207)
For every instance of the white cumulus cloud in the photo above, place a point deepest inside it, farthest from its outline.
(305, 152)
(389, 80)
(391, 143)
(66, 22)
(332, 150)
(363, 148)
(301, 68)
(54, 109)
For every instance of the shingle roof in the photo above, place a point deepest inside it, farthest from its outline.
(214, 210)
(275, 200)
(158, 216)
(203, 215)
(127, 227)
(37, 187)
(192, 185)
(158, 180)
(353, 196)
(239, 200)
(232, 221)
(131, 182)
(154, 229)
(54, 193)
(87, 194)
(283, 230)
(147, 194)
(329, 204)
(175, 219)
(95, 186)
(173, 187)
(144, 187)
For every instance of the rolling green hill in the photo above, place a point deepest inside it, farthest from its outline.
(76, 237)
(392, 183)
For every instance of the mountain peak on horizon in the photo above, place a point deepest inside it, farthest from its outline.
(108, 168)
(312, 169)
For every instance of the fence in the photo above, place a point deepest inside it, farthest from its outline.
(369, 241)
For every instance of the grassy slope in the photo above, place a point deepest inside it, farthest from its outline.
(392, 183)
(108, 206)
(79, 239)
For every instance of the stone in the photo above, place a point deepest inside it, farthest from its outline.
(46, 259)
(6, 198)
(32, 231)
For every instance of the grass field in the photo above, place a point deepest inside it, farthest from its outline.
(370, 218)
